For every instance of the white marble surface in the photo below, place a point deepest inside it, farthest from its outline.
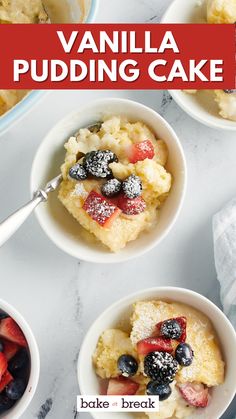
(61, 296)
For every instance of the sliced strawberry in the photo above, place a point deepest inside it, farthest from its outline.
(3, 364)
(6, 379)
(10, 349)
(122, 386)
(10, 330)
(100, 209)
(141, 151)
(152, 344)
(196, 395)
(182, 322)
(131, 206)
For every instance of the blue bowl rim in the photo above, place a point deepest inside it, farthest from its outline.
(25, 104)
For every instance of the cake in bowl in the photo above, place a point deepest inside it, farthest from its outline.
(115, 180)
(219, 12)
(167, 349)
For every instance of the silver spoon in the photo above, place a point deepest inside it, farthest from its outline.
(11, 224)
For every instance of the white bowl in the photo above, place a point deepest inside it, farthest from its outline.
(202, 105)
(112, 317)
(59, 225)
(19, 408)
(74, 10)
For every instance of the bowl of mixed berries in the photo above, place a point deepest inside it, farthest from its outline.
(19, 363)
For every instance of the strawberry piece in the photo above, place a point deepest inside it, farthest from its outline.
(122, 386)
(141, 151)
(10, 330)
(100, 209)
(182, 322)
(196, 395)
(10, 349)
(6, 379)
(131, 206)
(3, 364)
(152, 344)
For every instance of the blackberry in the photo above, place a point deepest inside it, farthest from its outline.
(184, 354)
(171, 329)
(111, 188)
(162, 390)
(160, 367)
(128, 365)
(16, 389)
(132, 187)
(78, 172)
(96, 163)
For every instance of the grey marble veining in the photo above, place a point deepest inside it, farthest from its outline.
(60, 296)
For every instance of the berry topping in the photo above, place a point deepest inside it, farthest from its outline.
(100, 209)
(128, 365)
(195, 394)
(171, 329)
(153, 344)
(19, 361)
(184, 354)
(6, 379)
(78, 172)
(141, 151)
(160, 367)
(132, 187)
(10, 349)
(96, 163)
(131, 206)
(15, 389)
(230, 91)
(5, 403)
(111, 188)
(3, 365)
(182, 321)
(10, 330)
(162, 390)
(3, 315)
(122, 386)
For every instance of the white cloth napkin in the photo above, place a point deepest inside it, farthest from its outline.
(224, 231)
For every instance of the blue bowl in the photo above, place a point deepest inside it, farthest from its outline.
(26, 104)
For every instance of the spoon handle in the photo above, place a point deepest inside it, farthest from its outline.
(11, 224)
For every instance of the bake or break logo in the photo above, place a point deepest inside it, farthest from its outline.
(118, 404)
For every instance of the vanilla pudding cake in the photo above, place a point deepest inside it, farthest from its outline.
(170, 350)
(115, 180)
(222, 11)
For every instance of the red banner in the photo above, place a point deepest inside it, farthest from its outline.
(115, 56)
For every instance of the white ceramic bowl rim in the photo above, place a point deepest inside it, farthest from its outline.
(145, 294)
(117, 257)
(20, 407)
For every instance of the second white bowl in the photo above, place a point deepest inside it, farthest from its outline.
(60, 226)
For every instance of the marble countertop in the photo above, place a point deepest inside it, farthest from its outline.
(61, 296)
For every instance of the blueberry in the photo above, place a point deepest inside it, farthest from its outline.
(1, 346)
(3, 315)
(19, 361)
(96, 163)
(128, 365)
(16, 389)
(132, 187)
(184, 354)
(160, 367)
(78, 172)
(111, 188)
(171, 329)
(162, 390)
(5, 403)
